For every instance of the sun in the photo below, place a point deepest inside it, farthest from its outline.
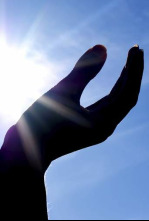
(22, 77)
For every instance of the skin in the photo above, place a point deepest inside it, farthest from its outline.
(55, 125)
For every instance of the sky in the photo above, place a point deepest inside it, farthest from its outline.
(109, 180)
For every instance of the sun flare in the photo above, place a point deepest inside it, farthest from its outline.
(22, 77)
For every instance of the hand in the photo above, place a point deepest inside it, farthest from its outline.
(56, 124)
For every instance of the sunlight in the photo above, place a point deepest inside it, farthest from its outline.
(65, 111)
(29, 143)
(22, 78)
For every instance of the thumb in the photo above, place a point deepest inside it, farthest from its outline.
(85, 69)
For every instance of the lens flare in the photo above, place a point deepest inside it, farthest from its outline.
(22, 76)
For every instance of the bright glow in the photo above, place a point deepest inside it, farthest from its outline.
(22, 77)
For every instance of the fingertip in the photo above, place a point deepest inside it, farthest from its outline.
(95, 56)
(136, 46)
(99, 52)
(135, 51)
(100, 49)
(135, 55)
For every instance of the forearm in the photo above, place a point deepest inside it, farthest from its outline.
(22, 192)
(22, 187)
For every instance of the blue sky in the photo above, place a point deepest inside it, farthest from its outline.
(110, 180)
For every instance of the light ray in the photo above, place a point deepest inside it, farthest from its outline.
(64, 111)
(30, 145)
(30, 36)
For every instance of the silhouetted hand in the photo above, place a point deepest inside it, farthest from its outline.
(56, 124)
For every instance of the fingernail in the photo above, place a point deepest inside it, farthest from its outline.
(99, 48)
(134, 50)
(100, 52)
(136, 46)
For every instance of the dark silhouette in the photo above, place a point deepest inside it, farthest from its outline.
(55, 125)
